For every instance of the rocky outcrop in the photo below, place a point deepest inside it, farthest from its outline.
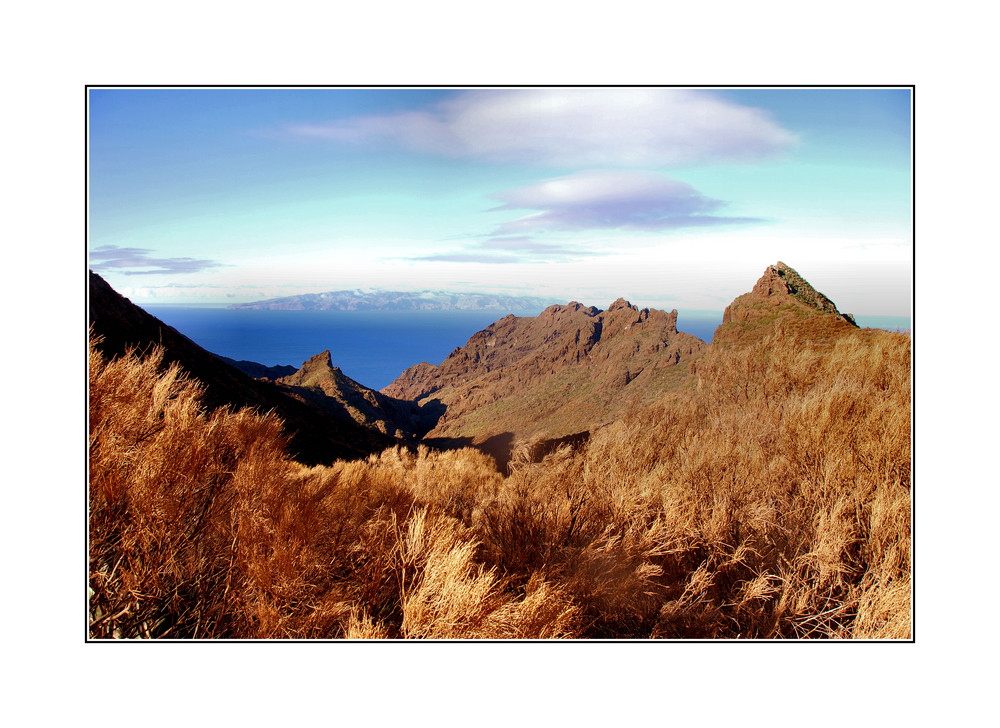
(324, 385)
(557, 373)
(781, 285)
(781, 294)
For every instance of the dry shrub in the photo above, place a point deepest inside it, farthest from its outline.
(452, 597)
(804, 458)
(199, 525)
(771, 501)
(454, 482)
(359, 626)
(159, 539)
(595, 535)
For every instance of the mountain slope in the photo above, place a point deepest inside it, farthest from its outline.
(771, 501)
(781, 297)
(316, 435)
(554, 375)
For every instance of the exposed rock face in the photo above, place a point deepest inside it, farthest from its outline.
(327, 387)
(558, 373)
(316, 435)
(781, 284)
(781, 293)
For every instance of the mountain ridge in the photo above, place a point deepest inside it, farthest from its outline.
(556, 375)
(551, 377)
(315, 435)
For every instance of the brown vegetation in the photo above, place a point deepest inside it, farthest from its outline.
(315, 435)
(772, 500)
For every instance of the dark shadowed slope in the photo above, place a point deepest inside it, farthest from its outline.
(317, 436)
(259, 371)
(327, 387)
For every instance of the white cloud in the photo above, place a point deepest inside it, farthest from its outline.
(137, 261)
(611, 199)
(576, 126)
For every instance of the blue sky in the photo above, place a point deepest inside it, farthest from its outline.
(670, 197)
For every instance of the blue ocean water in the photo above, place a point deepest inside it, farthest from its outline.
(371, 347)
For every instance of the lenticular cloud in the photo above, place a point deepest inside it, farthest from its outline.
(576, 126)
(136, 261)
(609, 199)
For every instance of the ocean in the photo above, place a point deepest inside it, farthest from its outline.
(371, 347)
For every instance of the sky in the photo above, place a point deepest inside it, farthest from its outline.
(669, 197)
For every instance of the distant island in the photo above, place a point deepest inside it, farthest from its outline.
(358, 300)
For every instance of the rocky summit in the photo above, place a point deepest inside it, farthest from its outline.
(781, 296)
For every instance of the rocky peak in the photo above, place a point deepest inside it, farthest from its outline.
(799, 287)
(667, 320)
(323, 360)
(519, 375)
(315, 371)
(781, 284)
(621, 316)
(558, 310)
(620, 304)
(771, 283)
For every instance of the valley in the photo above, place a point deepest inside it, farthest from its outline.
(582, 473)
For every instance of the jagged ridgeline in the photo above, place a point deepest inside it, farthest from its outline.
(757, 487)
(553, 376)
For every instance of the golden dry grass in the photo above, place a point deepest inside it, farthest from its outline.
(772, 501)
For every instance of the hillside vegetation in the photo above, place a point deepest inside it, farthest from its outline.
(769, 499)
(316, 435)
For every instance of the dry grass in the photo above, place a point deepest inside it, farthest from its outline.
(771, 502)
